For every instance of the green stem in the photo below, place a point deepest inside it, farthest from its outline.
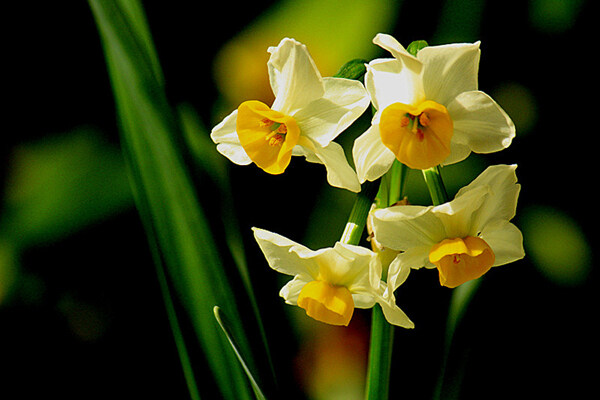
(382, 333)
(398, 175)
(437, 190)
(358, 216)
(380, 356)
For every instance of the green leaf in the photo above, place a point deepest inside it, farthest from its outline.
(165, 196)
(459, 302)
(60, 184)
(353, 69)
(225, 326)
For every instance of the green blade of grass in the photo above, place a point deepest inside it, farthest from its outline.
(225, 326)
(164, 193)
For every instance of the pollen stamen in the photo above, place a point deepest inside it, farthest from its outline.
(277, 135)
(405, 120)
(282, 129)
(275, 138)
(265, 122)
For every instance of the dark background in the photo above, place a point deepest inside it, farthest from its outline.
(84, 317)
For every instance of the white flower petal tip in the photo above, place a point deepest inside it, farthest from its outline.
(395, 316)
(392, 45)
(339, 172)
(371, 158)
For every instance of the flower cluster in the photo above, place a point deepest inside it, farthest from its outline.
(428, 112)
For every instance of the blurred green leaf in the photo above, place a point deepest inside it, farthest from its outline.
(556, 245)
(60, 184)
(460, 21)
(554, 16)
(448, 383)
(8, 269)
(164, 193)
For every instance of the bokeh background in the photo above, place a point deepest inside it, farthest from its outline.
(81, 314)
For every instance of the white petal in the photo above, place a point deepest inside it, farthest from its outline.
(292, 289)
(449, 70)
(390, 43)
(366, 296)
(285, 255)
(399, 269)
(363, 299)
(339, 173)
(388, 82)
(228, 143)
(504, 192)
(403, 227)
(357, 271)
(307, 153)
(235, 153)
(395, 316)
(459, 215)
(506, 240)
(324, 119)
(294, 77)
(371, 158)
(345, 265)
(458, 152)
(480, 123)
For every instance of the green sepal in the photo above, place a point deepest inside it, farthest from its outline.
(416, 46)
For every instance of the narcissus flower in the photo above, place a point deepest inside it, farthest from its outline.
(329, 283)
(463, 238)
(308, 113)
(429, 110)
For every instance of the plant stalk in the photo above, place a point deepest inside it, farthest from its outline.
(435, 185)
(358, 216)
(382, 332)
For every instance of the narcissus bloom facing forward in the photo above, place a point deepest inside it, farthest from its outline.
(429, 110)
(329, 283)
(308, 113)
(463, 238)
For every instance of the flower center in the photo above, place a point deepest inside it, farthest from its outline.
(266, 135)
(461, 260)
(327, 303)
(278, 132)
(419, 136)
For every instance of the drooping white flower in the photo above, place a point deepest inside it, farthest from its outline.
(462, 238)
(308, 113)
(429, 110)
(329, 283)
